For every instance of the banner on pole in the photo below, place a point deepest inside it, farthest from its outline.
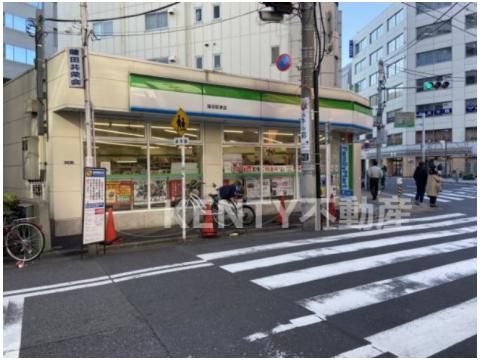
(305, 130)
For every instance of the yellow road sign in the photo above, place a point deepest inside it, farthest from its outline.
(180, 122)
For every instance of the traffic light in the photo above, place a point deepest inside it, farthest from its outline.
(430, 85)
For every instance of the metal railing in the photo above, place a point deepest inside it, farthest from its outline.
(465, 148)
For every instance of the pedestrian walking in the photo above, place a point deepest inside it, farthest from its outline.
(420, 175)
(433, 186)
(384, 176)
(375, 174)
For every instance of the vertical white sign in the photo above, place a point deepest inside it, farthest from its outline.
(94, 205)
(305, 129)
(75, 68)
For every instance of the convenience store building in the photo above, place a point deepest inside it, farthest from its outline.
(241, 129)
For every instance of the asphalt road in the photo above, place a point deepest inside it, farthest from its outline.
(406, 291)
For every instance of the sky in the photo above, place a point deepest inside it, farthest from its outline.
(355, 16)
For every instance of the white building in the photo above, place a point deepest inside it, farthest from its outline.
(227, 37)
(422, 42)
(18, 45)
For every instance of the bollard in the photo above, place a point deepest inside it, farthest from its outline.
(399, 187)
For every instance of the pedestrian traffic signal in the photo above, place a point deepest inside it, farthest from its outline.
(430, 85)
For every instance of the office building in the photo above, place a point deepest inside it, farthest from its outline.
(419, 43)
(18, 44)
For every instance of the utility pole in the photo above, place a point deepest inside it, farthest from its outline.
(86, 68)
(379, 118)
(40, 70)
(307, 179)
(423, 139)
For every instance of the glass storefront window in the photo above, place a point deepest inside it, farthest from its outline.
(165, 172)
(278, 136)
(279, 172)
(240, 135)
(242, 163)
(119, 128)
(164, 132)
(126, 165)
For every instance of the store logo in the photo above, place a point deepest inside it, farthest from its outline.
(216, 107)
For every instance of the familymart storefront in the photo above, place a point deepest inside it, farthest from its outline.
(241, 129)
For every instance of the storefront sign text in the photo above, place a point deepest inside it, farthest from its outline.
(75, 68)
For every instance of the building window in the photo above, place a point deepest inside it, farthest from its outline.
(14, 22)
(433, 79)
(373, 100)
(471, 133)
(471, 105)
(360, 86)
(360, 46)
(391, 115)
(360, 65)
(435, 109)
(434, 136)
(275, 52)
(216, 11)
(375, 34)
(217, 61)
(375, 56)
(434, 56)
(395, 139)
(471, 21)
(38, 5)
(198, 15)
(435, 29)
(199, 62)
(394, 92)
(395, 20)
(395, 68)
(471, 77)
(374, 79)
(423, 7)
(471, 49)
(156, 21)
(395, 44)
(19, 55)
(103, 29)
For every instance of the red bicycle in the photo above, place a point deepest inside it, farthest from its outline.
(23, 239)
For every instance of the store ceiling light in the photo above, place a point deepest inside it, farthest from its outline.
(233, 131)
(133, 161)
(273, 140)
(278, 133)
(118, 125)
(170, 128)
(174, 132)
(118, 132)
(118, 144)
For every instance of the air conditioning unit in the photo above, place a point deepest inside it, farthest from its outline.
(171, 11)
(172, 59)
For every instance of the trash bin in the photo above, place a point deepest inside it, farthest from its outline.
(25, 210)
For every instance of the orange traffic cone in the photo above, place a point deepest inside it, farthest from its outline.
(110, 232)
(281, 214)
(331, 207)
(208, 228)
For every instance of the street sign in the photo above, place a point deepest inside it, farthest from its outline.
(181, 141)
(350, 48)
(404, 119)
(94, 202)
(283, 62)
(305, 130)
(180, 122)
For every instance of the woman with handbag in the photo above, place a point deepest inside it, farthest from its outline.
(434, 185)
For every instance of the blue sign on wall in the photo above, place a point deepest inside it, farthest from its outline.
(350, 48)
(346, 170)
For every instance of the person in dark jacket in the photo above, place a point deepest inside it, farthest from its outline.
(420, 175)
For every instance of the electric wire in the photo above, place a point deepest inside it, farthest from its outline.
(116, 17)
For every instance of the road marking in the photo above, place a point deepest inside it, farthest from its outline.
(325, 271)
(406, 221)
(366, 351)
(342, 249)
(318, 240)
(12, 326)
(105, 280)
(462, 195)
(292, 324)
(376, 292)
(428, 335)
(438, 200)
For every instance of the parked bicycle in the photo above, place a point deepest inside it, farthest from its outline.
(23, 239)
(228, 205)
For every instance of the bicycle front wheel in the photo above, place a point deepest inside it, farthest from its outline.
(25, 242)
(248, 215)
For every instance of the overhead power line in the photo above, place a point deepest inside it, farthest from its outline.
(115, 18)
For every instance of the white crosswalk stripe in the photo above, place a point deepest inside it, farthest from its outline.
(432, 237)
(447, 194)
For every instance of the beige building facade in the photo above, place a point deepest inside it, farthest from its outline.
(242, 129)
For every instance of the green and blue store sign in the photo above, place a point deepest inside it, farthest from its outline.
(346, 170)
(165, 96)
